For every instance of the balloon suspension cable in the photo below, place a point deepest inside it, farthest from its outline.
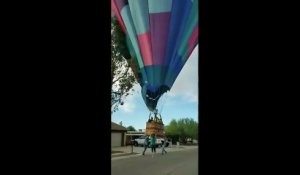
(152, 98)
(155, 116)
(163, 103)
(150, 116)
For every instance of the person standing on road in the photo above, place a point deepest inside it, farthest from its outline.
(153, 144)
(146, 144)
(163, 144)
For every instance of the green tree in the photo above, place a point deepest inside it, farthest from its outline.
(182, 129)
(122, 78)
(172, 130)
(188, 128)
(131, 128)
(192, 128)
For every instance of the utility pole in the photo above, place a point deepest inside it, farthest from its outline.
(131, 144)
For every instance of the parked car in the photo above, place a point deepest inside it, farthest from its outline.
(140, 141)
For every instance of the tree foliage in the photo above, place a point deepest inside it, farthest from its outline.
(131, 128)
(122, 78)
(182, 129)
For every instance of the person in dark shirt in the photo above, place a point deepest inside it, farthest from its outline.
(146, 143)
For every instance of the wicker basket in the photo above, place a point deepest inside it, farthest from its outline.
(156, 128)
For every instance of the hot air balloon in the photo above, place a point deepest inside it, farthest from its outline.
(160, 36)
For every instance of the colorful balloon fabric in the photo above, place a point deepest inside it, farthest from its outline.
(160, 35)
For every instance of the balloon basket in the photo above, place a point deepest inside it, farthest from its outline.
(154, 127)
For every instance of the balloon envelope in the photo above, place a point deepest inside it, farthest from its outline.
(161, 35)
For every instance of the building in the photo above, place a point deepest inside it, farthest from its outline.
(117, 135)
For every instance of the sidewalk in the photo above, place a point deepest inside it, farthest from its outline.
(137, 151)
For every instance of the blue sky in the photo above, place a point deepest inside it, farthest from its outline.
(180, 102)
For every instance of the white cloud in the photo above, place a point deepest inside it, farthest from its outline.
(186, 84)
(128, 105)
(130, 101)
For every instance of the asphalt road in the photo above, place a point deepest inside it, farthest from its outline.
(173, 163)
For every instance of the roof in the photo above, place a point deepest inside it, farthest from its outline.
(115, 126)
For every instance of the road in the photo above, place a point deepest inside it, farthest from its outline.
(173, 163)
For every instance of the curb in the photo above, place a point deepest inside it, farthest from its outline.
(125, 155)
(118, 156)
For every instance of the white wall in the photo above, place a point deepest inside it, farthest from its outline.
(116, 139)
